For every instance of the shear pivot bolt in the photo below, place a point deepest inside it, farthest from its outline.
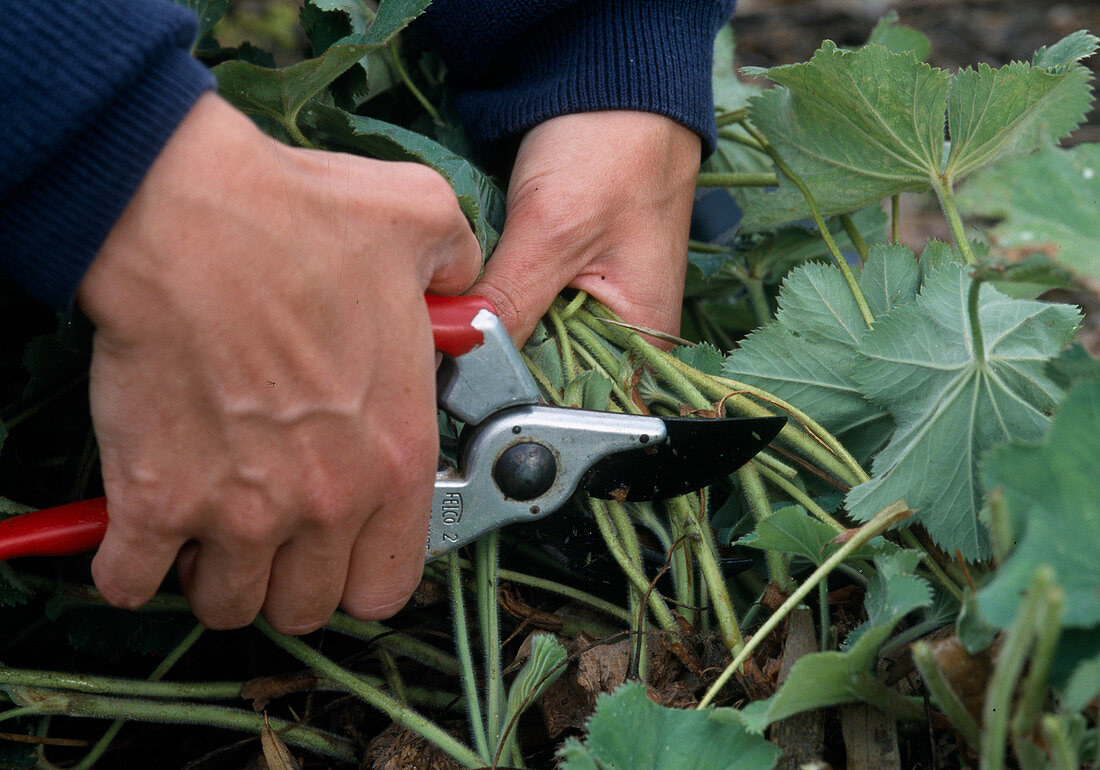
(525, 471)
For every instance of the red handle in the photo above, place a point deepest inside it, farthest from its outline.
(451, 322)
(61, 531)
(79, 527)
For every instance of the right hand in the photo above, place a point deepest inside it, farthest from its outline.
(263, 380)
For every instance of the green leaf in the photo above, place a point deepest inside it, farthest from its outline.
(1046, 203)
(541, 670)
(1083, 686)
(894, 592)
(830, 678)
(920, 363)
(890, 278)
(730, 94)
(898, 37)
(792, 530)
(630, 731)
(1011, 111)
(704, 357)
(1073, 365)
(805, 356)
(281, 93)
(1067, 51)
(481, 200)
(1052, 492)
(858, 126)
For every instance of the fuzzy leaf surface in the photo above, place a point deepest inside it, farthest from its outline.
(1046, 203)
(480, 199)
(920, 363)
(805, 356)
(858, 126)
(1052, 492)
(996, 114)
(628, 730)
(281, 93)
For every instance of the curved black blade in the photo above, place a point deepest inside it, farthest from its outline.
(696, 452)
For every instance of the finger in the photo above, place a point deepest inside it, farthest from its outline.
(131, 563)
(451, 259)
(524, 275)
(307, 581)
(386, 563)
(225, 576)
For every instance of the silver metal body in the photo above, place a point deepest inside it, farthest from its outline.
(490, 389)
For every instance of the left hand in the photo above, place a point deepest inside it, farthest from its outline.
(599, 201)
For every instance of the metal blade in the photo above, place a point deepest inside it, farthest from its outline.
(696, 453)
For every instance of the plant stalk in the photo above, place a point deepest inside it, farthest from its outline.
(402, 715)
(882, 521)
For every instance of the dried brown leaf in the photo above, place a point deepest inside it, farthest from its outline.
(276, 753)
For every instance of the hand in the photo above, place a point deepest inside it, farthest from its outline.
(598, 201)
(262, 380)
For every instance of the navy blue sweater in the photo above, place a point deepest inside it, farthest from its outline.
(91, 90)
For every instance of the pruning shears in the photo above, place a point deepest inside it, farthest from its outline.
(517, 460)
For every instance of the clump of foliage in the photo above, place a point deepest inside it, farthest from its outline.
(936, 471)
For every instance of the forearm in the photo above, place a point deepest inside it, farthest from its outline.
(91, 96)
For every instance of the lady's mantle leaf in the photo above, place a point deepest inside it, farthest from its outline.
(1052, 491)
(805, 355)
(920, 363)
(858, 126)
(1047, 204)
(855, 125)
(629, 730)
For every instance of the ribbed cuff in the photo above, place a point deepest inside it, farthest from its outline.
(608, 55)
(54, 224)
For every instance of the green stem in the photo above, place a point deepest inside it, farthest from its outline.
(757, 498)
(706, 553)
(1033, 694)
(932, 566)
(397, 712)
(398, 65)
(871, 690)
(975, 320)
(594, 602)
(855, 237)
(946, 195)
(131, 688)
(163, 668)
(102, 707)
(822, 448)
(290, 123)
(759, 300)
(548, 390)
(1010, 662)
(736, 179)
(823, 614)
(486, 563)
(815, 212)
(395, 641)
(739, 138)
(882, 521)
(799, 497)
(943, 694)
(1064, 756)
(657, 605)
(731, 116)
(568, 365)
(466, 658)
